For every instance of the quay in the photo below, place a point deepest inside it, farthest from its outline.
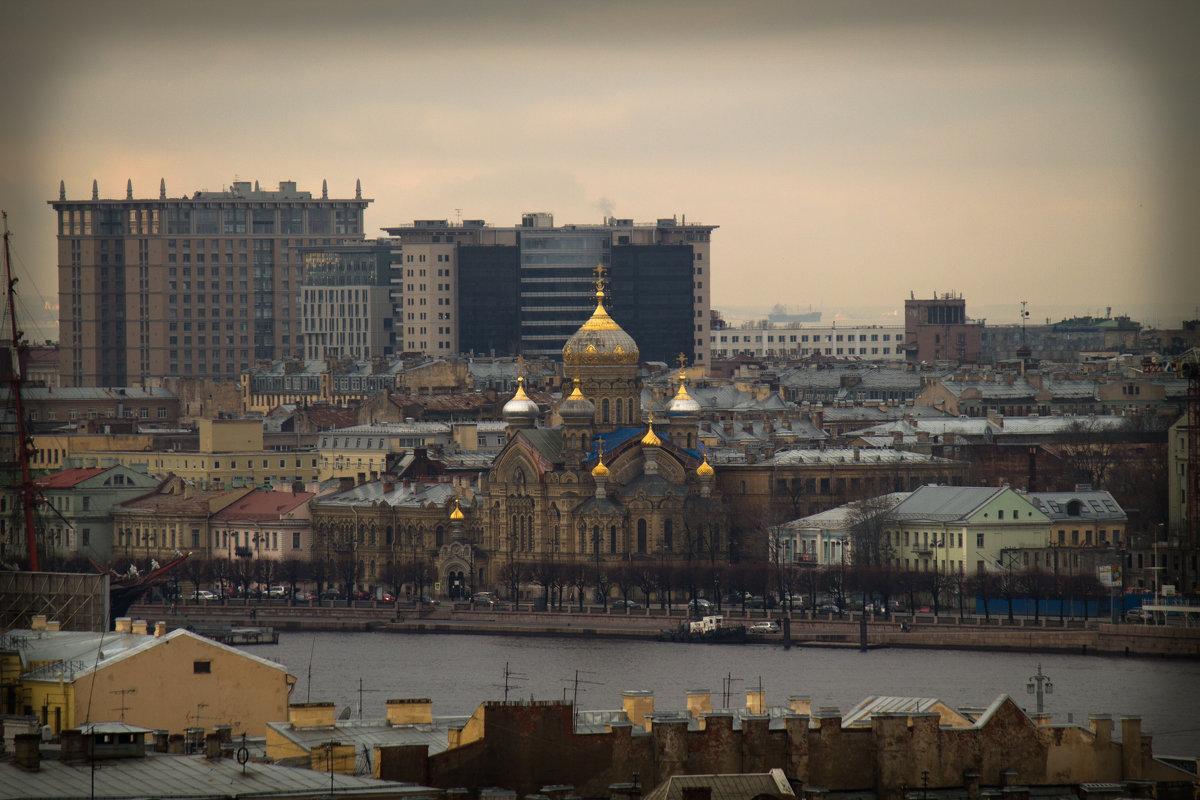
(946, 631)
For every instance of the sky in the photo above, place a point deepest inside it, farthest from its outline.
(851, 153)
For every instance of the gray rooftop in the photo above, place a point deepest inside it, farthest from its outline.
(191, 777)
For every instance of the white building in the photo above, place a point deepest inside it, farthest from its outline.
(798, 340)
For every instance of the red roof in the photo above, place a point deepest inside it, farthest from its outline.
(262, 505)
(68, 478)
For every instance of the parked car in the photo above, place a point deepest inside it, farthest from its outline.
(305, 594)
(766, 626)
(484, 600)
(621, 605)
(426, 600)
(386, 597)
(1138, 615)
(828, 608)
(699, 606)
(277, 591)
(204, 594)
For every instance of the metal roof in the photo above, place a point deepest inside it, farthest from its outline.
(1092, 504)
(726, 787)
(945, 503)
(374, 732)
(193, 777)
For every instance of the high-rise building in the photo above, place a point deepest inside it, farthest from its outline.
(198, 286)
(473, 287)
(346, 301)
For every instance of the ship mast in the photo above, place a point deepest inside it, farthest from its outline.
(26, 490)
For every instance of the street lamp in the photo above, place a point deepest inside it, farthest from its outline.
(1040, 685)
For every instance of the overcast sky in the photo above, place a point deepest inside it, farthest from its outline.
(849, 152)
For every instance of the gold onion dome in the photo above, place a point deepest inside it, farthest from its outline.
(704, 470)
(520, 406)
(456, 515)
(600, 341)
(600, 471)
(651, 438)
(576, 406)
(683, 404)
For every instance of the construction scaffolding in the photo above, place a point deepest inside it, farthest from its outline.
(78, 602)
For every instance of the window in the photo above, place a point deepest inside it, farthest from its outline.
(201, 667)
(979, 540)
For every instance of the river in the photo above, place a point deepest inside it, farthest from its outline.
(458, 672)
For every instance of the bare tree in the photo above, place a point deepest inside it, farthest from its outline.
(292, 570)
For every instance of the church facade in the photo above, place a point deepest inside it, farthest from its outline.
(600, 490)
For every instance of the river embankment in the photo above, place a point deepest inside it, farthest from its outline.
(946, 631)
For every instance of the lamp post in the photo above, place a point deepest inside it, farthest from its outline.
(1040, 685)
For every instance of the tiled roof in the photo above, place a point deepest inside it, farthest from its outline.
(263, 506)
(68, 478)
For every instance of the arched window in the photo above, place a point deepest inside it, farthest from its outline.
(388, 533)
(596, 539)
(629, 412)
(612, 539)
(619, 416)
(641, 534)
(604, 410)
(441, 535)
(668, 535)
(582, 541)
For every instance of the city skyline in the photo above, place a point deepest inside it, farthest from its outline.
(850, 154)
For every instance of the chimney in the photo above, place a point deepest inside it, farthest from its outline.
(160, 629)
(26, 754)
(38, 623)
(212, 745)
(756, 701)
(124, 625)
(311, 715)
(410, 711)
(139, 627)
(53, 625)
(161, 738)
(72, 745)
(175, 743)
(638, 707)
(800, 704)
(699, 701)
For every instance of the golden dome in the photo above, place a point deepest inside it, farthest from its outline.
(456, 515)
(651, 439)
(600, 340)
(704, 470)
(520, 406)
(600, 471)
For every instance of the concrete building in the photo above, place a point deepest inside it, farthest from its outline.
(175, 516)
(346, 302)
(196, 286)
(473, 287)
(938, 329)
(53, 406)
(141, 675)
(79, 523)
(263, 525)
(962, 529)
(761, 339)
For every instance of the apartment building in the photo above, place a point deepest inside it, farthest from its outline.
(196, 286)
(472, 287)
(346, 302)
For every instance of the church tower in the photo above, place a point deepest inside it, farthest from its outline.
(604, 359)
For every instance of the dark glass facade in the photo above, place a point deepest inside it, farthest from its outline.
(651, 298)
(489, 304)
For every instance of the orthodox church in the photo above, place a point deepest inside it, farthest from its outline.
(604, 487)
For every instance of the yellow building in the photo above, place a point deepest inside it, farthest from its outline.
(231, 454)
(163, 681)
